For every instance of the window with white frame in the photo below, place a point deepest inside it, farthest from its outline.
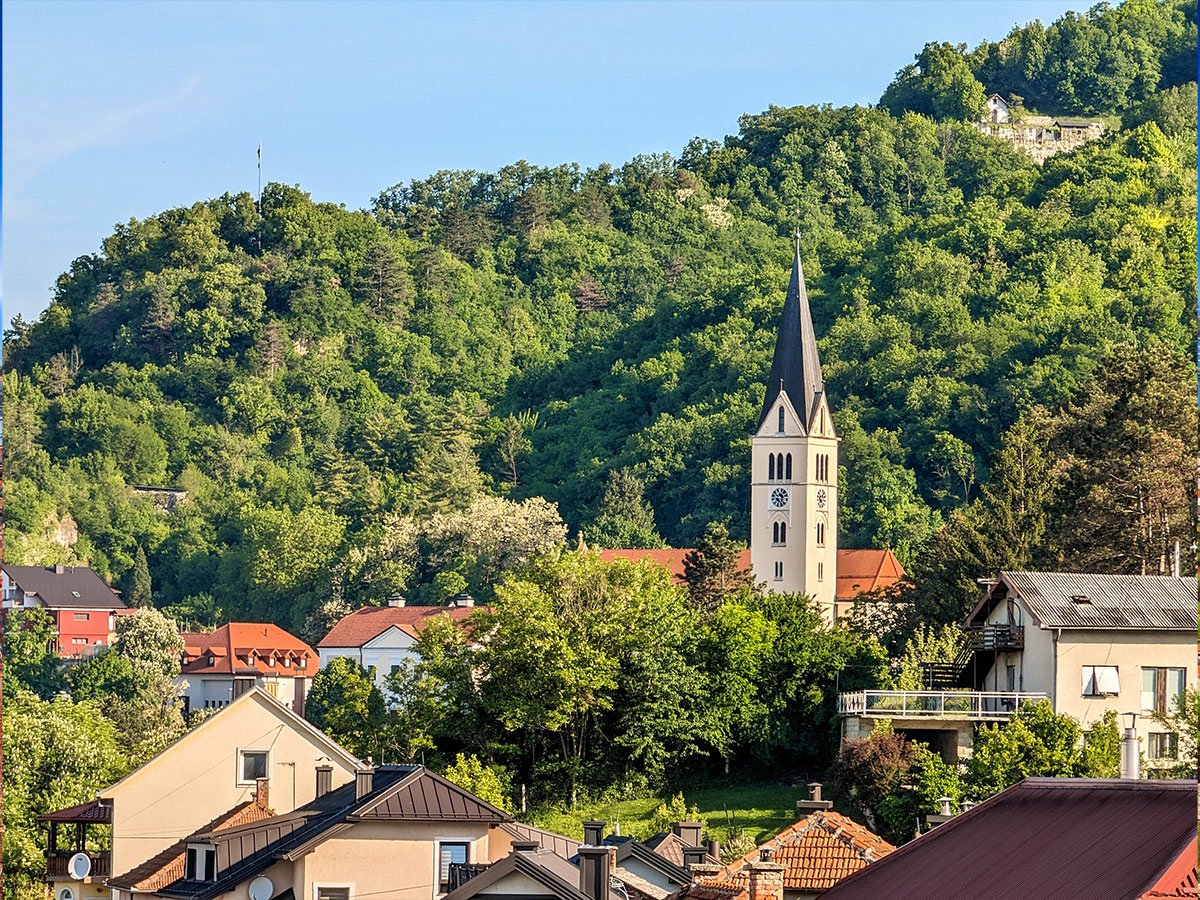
(200, 863)
(449, 853)
(252, 765)
(1100, 681)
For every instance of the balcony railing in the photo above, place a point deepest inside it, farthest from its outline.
(461, 873)
(997, 637)
(56, 863)
(934, 704)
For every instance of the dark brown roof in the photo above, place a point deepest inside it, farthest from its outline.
(76, 587)
(557, 875)
(92, 811)
(669, 846)
(547, 840)
(1045, 839)
(406, 793)
(817, 852)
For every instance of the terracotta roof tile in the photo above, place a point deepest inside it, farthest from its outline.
(230, 647)
(817, 851)
(369, 622)
(712, 889)
(167, 867)
(857, 570)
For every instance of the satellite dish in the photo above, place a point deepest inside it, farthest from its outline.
(79, 866)
(261, 888)
(66, 894)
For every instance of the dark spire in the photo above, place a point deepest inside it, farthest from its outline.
(796, 368)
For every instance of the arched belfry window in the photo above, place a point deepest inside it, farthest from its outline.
(783, 532)
(788, 476)
(770, 467)
(820, 534)
(781, 419)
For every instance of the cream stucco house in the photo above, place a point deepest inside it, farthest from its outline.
(1090, 643)
(222, 768)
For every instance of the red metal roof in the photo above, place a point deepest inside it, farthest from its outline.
(818, 851)
(858, 571)
(369, 622)
(241, 646)
(92, 811)
(1046, 839)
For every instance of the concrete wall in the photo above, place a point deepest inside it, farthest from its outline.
(196, 779)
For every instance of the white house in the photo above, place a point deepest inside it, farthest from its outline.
(384, 637)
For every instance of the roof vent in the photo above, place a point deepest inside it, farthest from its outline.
(1081, 600)
(74, 593)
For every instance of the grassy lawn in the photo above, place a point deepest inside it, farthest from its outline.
(759, 810)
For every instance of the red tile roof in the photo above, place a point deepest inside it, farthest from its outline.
(712, 889)
(369, 622)
(857, 570)
(247, 645)
(817, 852)
(167, 867)
(1047, 839)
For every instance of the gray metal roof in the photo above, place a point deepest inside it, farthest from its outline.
(1154, 602)
(75, 587)
(795, 368)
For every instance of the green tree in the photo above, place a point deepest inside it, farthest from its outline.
(140, 594)
(31, 660)
(345, 703)
(489, 783)
(57, 753)
(712, 570)
(1183, 722)
(626, 518)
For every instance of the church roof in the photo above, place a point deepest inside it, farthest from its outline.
(795, 368)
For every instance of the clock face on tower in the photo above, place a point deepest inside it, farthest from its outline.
(821, 498)
(779, 498)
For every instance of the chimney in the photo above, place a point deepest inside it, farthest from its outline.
(324, 780)
(395, 600)
(462, 600)
(714, 848)
(262, 793)
(766, 877)
(944, 813)
(363, 782)
(593, 832)
(814, 801)
(594, 866)
(694, 856)
(1131, 762)
(688, 832)
(59, 569)
(524, 846)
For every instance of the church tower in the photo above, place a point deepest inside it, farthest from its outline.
(794, 467)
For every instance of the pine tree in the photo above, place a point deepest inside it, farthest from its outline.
(711, 570)
(140, 595)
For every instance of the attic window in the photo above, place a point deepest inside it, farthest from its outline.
(1081, 600)
(212, 660)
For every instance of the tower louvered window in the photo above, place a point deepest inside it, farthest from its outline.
(771, 467)
(781, 419)
(788, 476)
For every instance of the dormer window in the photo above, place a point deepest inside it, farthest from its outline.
(200, 863)
(212, 660)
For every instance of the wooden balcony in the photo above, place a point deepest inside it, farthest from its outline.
(972, 705)
(56, 863)
(997, 637)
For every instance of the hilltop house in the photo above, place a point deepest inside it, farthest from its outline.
(794, 480)
(384, 637)
(82, 605)
(253, 755)
(1039, 136)
(1048, 839)
(219, 666)
(1087, 643)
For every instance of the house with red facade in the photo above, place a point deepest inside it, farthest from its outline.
(83, 606)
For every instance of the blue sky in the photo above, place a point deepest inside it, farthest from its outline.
(116, 110)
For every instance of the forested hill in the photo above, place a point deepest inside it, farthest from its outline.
(321, 382)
